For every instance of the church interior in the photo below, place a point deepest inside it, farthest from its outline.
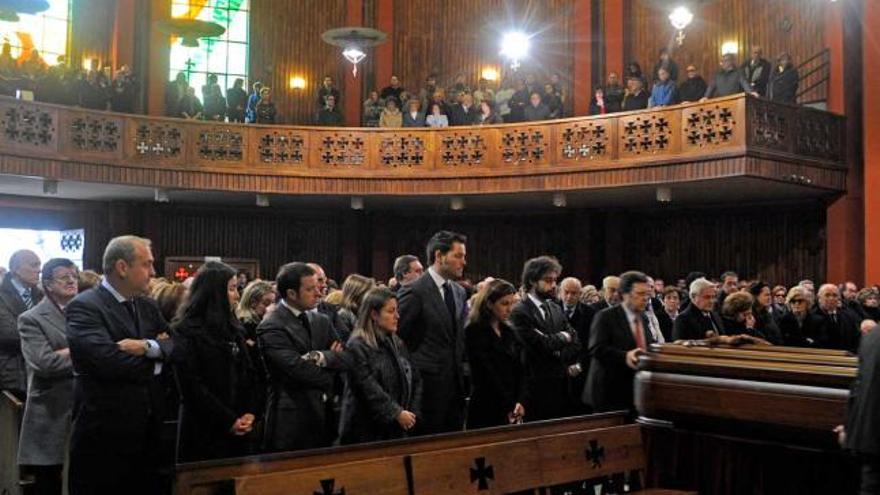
(500, 246)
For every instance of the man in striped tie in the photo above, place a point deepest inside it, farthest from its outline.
(18, 293)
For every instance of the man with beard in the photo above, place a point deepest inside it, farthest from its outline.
(551, 344)
(432, 316)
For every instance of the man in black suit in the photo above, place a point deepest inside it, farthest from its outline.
(610, 296)
(407, 269)
(302, 359)
(729, 285)
(862, 434)
(432, 316)
(620, 334)
(118, 345)
(580, 317)
(464, 113)
(18, 293)
(830, 326)
(551, 344)
(699, 320)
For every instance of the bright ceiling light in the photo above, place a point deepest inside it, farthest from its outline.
(729, 48)
(681, 17)
(515, 46)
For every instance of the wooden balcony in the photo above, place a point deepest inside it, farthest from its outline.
(716, 141)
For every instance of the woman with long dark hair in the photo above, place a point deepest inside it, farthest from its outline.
(216, 376)
(496, 359)
(383, 390)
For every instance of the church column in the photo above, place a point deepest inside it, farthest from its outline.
(352, 95)
(385, 51)
(871, 102)
(159, 58)
(613, 21)
(583, 42)
(845, 217)
(122, 44)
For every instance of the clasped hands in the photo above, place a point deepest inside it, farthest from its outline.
(243, 425)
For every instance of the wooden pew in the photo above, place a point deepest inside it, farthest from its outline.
(11, 410)
(206, 477)
(609, 456)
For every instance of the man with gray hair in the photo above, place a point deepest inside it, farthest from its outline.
(118, 345)
(18, 293)
(828, 325)
(699, 320)
(580, 317)
(610, 296)
(407, 269)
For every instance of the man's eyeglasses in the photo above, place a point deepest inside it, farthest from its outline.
(66, 278)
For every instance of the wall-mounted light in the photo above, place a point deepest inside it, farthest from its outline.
(161, 195)
(664, 194)
(729, 48)
(297, 82)
(559, 200)
(456, 203)
(87, 64)
(50, 187)
(489, 74)
(515, 47)
(262, 200)
(357, 203)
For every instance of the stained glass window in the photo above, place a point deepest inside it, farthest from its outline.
(226, 55)
(47, 32)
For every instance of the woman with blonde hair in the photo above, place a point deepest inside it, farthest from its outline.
(256, 297)
(799, 300)
(496, 359)
(168, 295)
(383, 390)
(354, 289)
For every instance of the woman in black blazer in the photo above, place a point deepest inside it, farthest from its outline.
(216, 376)
(495, 357)
(383, 390)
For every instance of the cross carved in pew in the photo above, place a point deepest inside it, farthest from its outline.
(595, 453)
(482, 473)
(328, 487)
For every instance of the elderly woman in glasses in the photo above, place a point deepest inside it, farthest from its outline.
(799, 301)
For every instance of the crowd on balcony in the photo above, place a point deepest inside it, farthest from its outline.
(298, 363)
(96, 88)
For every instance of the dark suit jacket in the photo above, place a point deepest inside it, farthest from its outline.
(692, 325)
(498, 375)
(13, 375)
(436, 344)
(824, 333)
(458, 116)
(409, 121)
(610, 382)
(548, 355)
(296, 410)
(862, 433)
(118, 401)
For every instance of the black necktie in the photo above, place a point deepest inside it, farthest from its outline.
(132, 312)
(834, 318)
(449, 299)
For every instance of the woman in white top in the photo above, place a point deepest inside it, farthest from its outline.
(436, 118)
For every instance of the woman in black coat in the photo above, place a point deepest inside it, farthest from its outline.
(216, 376)
(496, 359)
(765, 323)
(383, 390)
(792, 323)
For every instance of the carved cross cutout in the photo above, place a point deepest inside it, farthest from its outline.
(595, 453)
(481, 474)
(328, 487)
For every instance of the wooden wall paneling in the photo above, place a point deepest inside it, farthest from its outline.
(463, 36)
(793, 26)
(285, 41)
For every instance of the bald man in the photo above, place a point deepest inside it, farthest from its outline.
(610, 296)
(828, 325)
(580, 317)
(18, 293)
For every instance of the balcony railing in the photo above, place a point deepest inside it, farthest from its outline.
(73, 143)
